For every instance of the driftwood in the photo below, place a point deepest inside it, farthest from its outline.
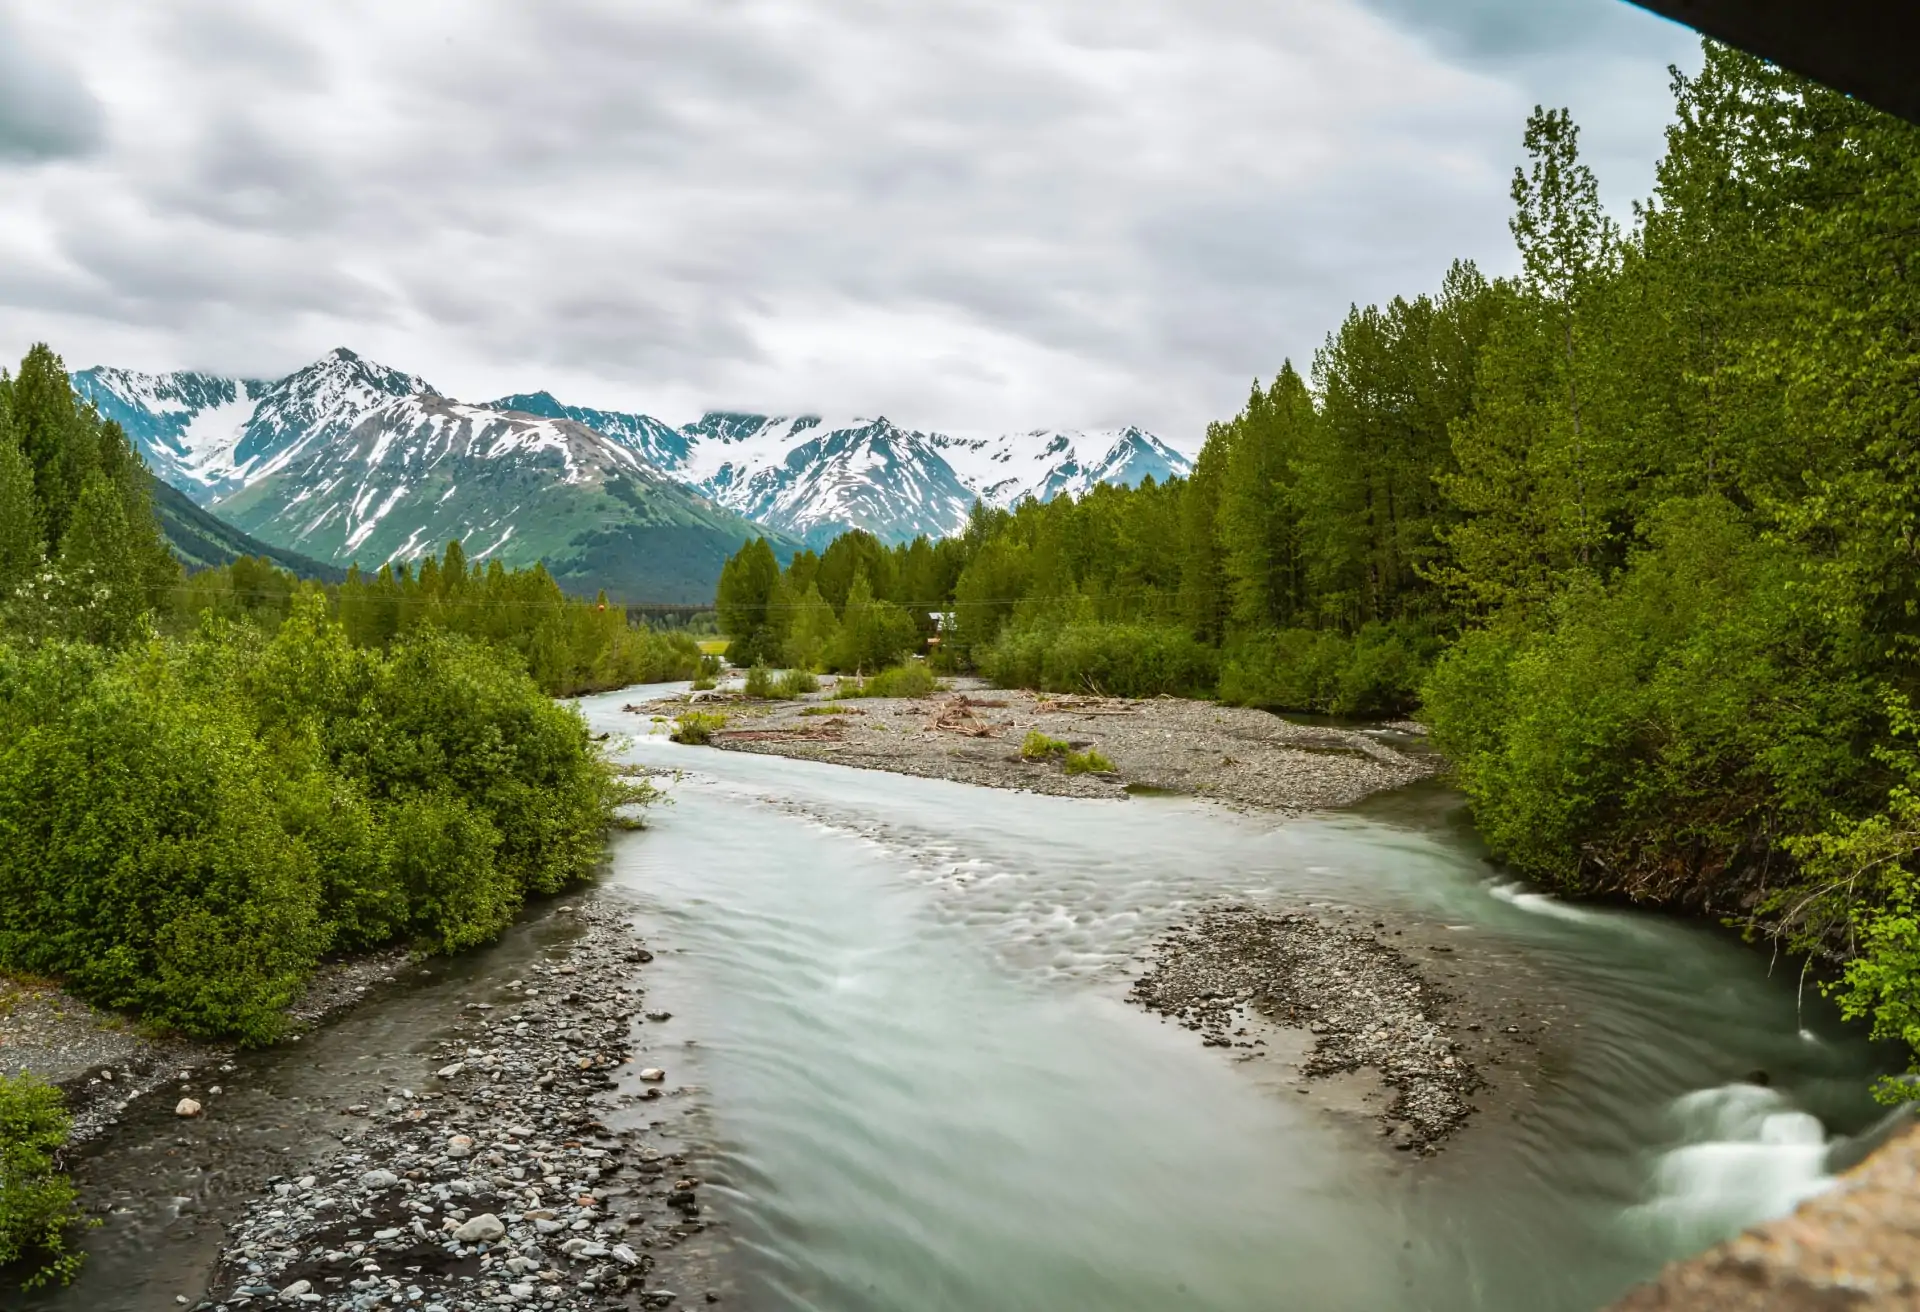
(822, 732)
(955, 715)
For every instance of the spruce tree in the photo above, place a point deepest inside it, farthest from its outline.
(102, 567)
(21, 546)
(51, 429)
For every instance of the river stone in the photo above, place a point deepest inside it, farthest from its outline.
(296, 1289)
(653, 1075)
(625, 1256)
(460, 1145)
(482, 1229)
(186, 1107)
(449, 1071)
(379, 1179)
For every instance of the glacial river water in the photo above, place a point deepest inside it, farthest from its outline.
(901, 1054)
(904, 1006)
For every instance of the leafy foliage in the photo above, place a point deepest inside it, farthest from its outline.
(912, 679)
(696, 728)
(38, 1203)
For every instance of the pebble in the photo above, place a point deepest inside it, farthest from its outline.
(186, 1107)
(482, 1229)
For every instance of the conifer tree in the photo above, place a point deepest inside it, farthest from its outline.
(102, 567)
(21, 546)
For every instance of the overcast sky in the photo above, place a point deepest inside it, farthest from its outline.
(979, 215)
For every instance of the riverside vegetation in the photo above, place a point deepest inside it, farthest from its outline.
(207, 785)
(1633, 531)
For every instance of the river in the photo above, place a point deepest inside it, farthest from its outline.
(904, 1004)
(901, 1052)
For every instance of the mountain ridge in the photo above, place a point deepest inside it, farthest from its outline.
(348, 460)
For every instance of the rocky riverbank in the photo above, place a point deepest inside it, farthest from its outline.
(971, 734)
(1362, 1001)
(102, 1061)
(502, 1177)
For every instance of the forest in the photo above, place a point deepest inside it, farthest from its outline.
(1634, 531)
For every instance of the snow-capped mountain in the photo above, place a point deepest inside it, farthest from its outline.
(348, 460)
(209, 436)
(1046, 463)
(173, 418)
(815, 479)
(665, 447)
(421, 469)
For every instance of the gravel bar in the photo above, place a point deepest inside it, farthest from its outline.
(972, 735)
(1361, 1000)
(494, 1182)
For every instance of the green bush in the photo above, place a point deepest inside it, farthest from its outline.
(696, 728)
(913, 679)
(1376, 672)
(143, 858)
(1038, 747)
(38, 1204)
(186, 827)
(785, 686)
(1114, 659)
(1087, 762)
(1660, 731)
(795, 683)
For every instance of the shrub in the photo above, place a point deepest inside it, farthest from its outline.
(705, 682)
(143, 858)
(1038, 747)
(1087, 762)
(38, 1204)
(1666, 728)
(1376, 672)
(828, 710)
(785, 686)
(185, 827)
(795, 683)
(913, 679)
(696, 728)
(1115, 659)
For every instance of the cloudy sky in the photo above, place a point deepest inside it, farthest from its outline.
(980, 215)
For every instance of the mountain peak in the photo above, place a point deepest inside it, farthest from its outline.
(542, 403)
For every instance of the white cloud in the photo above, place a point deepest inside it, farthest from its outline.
(980, 215)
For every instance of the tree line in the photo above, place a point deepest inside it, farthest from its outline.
(1634, 530)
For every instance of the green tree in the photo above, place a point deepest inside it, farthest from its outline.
(22, 547)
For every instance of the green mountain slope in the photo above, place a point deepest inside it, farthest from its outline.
(202, 540)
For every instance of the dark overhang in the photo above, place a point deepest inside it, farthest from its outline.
(1869, 49)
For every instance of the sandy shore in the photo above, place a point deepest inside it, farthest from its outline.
(972, 735)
